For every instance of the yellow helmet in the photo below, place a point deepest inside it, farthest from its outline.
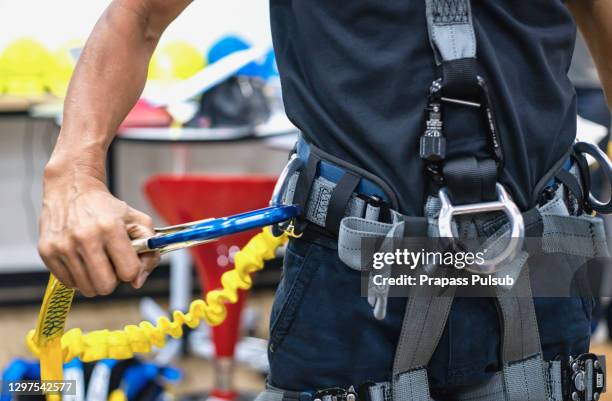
(175, 61)
(23, 65)
(61, 67)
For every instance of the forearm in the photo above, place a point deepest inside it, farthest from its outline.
(108, 80)
(594, 18)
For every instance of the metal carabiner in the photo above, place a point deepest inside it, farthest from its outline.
(292, 166)
(504, 204)
(432, 147)
(199, 232)
(141, 245)
(604, 163)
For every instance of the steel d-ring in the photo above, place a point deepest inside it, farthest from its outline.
(291, 167)
(605, 165)
(504, 204)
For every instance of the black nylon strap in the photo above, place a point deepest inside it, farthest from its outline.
(460, 78)
(470, 180)
(571, 183)
(305, 181)
(339, 199)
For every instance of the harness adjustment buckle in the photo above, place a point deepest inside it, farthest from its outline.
(335, 394)
(433, 144)
(586, 377)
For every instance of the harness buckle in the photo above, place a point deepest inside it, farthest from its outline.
(335, 394)
(504, 204)
(587, 378)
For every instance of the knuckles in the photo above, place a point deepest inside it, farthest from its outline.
(129, 273)
(107, 287)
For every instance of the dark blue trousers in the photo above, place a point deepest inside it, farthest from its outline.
(323, 333)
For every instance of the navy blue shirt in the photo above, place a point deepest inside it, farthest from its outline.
(355, 76)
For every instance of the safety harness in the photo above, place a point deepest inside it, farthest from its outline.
(336, 198)
(340, 199)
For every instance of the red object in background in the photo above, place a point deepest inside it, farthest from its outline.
(180, 199)
(145, 115)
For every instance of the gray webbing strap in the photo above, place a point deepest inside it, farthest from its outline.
(318, 201)
(520, 332)
(424, 319)
(523, 366)
(427, 310)
(495, 389)
(451, 31)
(270, 394)
(411, 386)
(354, 230)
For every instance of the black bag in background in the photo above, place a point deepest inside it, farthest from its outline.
(236, 102)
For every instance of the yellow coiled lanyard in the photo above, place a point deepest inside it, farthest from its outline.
(54, 347)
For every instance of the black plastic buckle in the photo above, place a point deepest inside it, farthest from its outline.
(335, 394)
(585, 377)
(432, 147)
(375, 201)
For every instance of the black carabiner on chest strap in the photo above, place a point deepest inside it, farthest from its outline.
(433, 142)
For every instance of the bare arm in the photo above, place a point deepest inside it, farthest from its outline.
(84, 231)
(594, 18)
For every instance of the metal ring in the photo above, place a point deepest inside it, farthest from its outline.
(606, 165)
(505, 204)
(293, 165)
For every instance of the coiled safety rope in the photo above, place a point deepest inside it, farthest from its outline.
(53, 347)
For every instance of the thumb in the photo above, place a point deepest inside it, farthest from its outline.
(140, 225)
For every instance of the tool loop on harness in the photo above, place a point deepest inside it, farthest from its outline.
(503, 204)
(584, 148)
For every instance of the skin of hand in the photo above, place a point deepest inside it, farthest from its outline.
(85, 232)
(594, 18)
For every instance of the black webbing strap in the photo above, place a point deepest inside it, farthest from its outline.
(460, 78)
(571, 183)
(305, 181)
(339, 199)
(471, 180)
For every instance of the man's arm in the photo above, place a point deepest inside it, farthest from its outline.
(594, 18)
(84, 231)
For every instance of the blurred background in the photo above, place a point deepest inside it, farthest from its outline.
(207, 139)
(179, 156)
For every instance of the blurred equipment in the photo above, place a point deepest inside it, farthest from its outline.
(240, 100)
(22, 67)
(145, 115)
(231, 44)
(186, 198)
(108, 379)
(174, 61)
(61, 67)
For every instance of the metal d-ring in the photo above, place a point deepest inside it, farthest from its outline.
(605, 165)
(504, 204)
(291, 167)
